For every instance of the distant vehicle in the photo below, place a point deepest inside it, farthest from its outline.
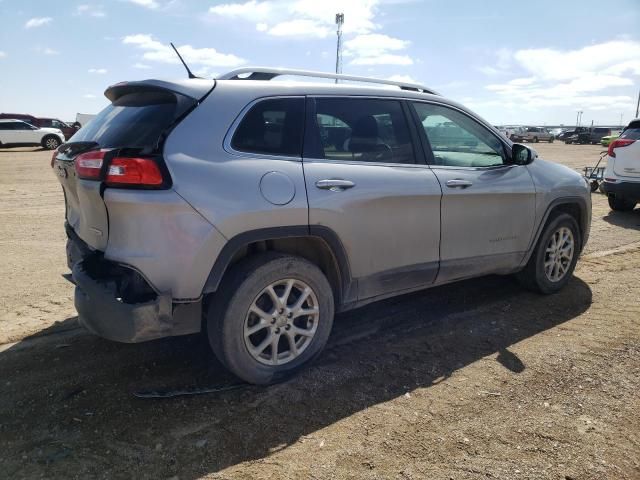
(585, 135)
(83, 118)
(605, 141)
(557, 131)
(17, 133)
(622, 175)
(533, 134)
(43, 122)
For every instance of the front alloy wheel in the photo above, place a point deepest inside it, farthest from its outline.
(559, 254)
(51, 143)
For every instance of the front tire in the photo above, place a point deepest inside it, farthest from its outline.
(50, 142)
(554, 259)
(621, 204)
(272, 315)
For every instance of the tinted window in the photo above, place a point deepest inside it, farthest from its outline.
(365, 130)
(46, 123)
(632, 131)
(22, 126)
(272, 127)
(5, 126)
(134, 120)
(457, 140)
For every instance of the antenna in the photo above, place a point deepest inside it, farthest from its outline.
(191, 75)
(339, 22)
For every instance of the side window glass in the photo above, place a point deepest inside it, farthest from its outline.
(272, 127)
(364, 130)
(457, 140)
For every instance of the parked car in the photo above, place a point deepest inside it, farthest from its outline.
(556, 132)
(568, 133)
(532, 134)
(622, 174)
(67, 130)
(606, 140)
(585, 135)
(16, 133)
(254, 210)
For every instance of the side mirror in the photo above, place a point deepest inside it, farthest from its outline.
(521, 154)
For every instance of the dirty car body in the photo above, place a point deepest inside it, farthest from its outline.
(167, 191)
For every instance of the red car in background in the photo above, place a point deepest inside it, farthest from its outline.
(41, 122)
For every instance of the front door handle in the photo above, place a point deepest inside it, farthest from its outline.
(334, 184)
(458, 183)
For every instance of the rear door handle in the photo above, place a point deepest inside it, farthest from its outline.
(334, 184)
(458, 183)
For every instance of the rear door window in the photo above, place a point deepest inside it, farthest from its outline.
(362, 130)
(134, 120)
(632, 132)
(273, 127)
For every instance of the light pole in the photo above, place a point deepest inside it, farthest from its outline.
(638, 105)
(339, 22)
(578, 117)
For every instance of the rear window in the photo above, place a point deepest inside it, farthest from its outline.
(632, 131)
(134, 120)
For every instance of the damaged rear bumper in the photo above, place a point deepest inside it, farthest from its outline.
(117, 303)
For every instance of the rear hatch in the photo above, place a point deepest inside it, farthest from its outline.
(121, 148)
(624, 151)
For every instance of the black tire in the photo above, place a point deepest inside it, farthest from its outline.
(535, 139)
(50, 142)
(551, 139)
(533, 276)
(567, 142)
(230, 305)
(621, 204)
(594, 186)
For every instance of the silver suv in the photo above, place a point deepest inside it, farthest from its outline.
(254, 210)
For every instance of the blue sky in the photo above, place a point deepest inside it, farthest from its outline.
(534, 62)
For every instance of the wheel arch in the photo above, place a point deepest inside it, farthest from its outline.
(318, 244)
(574, 206)
(43, 141)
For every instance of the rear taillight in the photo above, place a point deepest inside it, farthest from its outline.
(617, 143)
(134, 171)
(88, 165)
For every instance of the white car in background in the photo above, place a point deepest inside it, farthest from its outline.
(622, 175)
(16, 133)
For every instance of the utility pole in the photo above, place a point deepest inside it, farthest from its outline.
(339, 22)
(578, 117)
(638, 105)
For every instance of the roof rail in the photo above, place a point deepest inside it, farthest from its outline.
(266, 73)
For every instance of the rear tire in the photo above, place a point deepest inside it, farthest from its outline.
(50, 142)
(255, 312)
(535, 139)
(621, 204)
(554, 259)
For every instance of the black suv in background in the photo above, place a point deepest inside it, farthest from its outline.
(583, 135)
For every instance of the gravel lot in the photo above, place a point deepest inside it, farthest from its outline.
(474, 380)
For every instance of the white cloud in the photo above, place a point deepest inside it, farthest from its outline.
(376, 49)
(152, 4)
(141, 66)
(311, 18)
(589, 77)
(47, 51)
(99, 71)
(90, 10)
(2, 54)
(37, 22)
(402, 78)
(89, 95)
(262, 27)
(155, 51)
(299, 28)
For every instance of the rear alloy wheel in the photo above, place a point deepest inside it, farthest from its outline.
(51, 142)
(621, 204)
(554, 259)
(271, 316)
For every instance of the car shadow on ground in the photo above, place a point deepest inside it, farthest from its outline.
(68, 405)
(624, 219)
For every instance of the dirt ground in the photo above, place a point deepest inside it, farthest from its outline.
(473, 380)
